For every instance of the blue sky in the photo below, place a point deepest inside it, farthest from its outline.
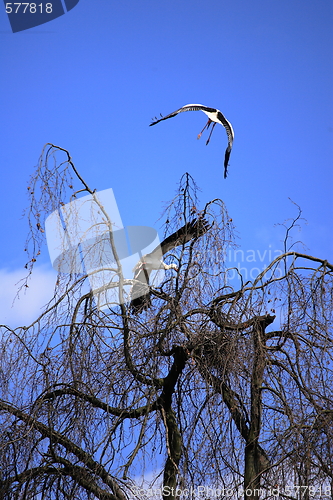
(91, 80)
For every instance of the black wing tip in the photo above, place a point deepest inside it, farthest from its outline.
(192, 229)
(156, 120)
(140, 304)
(226, 162)
(199, 226)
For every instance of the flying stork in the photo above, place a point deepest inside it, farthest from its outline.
(140, 295)
(214, 116)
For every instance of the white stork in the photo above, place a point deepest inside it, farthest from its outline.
(214, 116)
(140, 295)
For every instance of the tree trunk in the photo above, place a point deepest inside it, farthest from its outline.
(253, 465)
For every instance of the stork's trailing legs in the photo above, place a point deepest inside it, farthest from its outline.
(210, 133)
(205, 127)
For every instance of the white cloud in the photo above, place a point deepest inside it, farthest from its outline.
(23, 309)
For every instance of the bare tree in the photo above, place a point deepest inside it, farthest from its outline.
(221, 386)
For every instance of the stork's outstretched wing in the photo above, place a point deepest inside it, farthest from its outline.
(188, 107)
(140, 295)
(230, 133)
(193, 229)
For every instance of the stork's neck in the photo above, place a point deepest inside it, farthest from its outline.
(170, 266)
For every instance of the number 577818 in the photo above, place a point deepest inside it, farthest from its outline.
(31, 8)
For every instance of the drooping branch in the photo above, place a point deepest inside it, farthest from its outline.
(56, 437)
